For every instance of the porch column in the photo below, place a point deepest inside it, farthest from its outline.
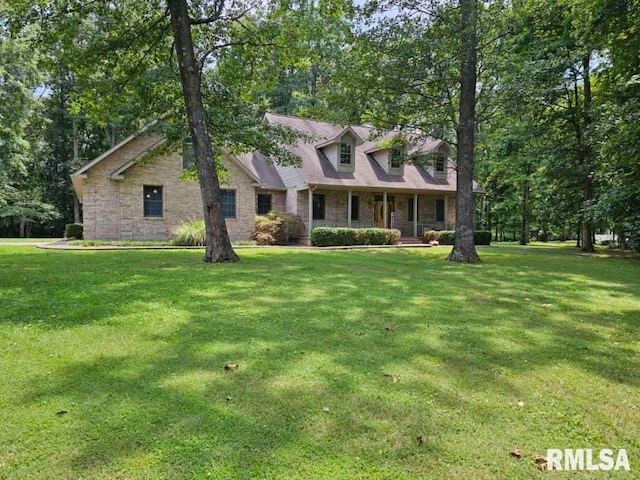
(446, 213)
(384, 210)
(310, 211)
(415, 214)
(349, 209)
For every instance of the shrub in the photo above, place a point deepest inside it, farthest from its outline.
(482, 237)
(73, 230)
(447, 237)
(277, 228)
(190, 234)
(431, 236)
(326, 236)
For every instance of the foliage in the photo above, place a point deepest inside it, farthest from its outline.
(329, 236)
(73, 230)
(133, 346)
(277, 228)
(189, 234)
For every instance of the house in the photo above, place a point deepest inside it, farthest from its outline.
(134, 191)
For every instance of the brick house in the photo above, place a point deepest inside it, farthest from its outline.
(134, 191)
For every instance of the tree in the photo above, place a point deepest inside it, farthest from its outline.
(219, 247)
(464, 249)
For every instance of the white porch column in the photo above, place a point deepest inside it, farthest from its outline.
(446, 213)
(349, 209)
(310, 210)
(384, 210)
(415, 214)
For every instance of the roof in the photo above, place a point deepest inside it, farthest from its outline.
(317, 170)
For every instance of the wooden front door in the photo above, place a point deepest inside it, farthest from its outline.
(379, 210)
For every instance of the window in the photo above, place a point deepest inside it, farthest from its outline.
(188, 155)
(345, 154)
(439, 209)
(264, 203)
(152, 199)
(355, 207)
(318, 207)
(395, 158)
(410, 203)
(440, 164)
(228, 203)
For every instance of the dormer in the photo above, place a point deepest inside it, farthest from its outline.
(391, 159)
(341, 150)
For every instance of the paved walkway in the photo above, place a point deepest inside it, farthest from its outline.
(63, 245)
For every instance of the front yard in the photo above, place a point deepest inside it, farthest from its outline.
(351, 364)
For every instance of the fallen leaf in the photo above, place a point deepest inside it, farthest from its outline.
(527, 299)
(421, 439)
(229, 399)
(547, 305)
(542, 466)
(521, 403)
(539, 459)
(61, 412)
(516, 453)
(394, 377)
(325, 409)
(230, 366)
(390, 328)
(358, 333)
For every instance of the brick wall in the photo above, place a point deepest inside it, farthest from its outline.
(114, 210)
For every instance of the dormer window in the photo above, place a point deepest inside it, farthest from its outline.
(395, 159)
(346, 156)
(439, 165)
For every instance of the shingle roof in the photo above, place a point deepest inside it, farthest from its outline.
(316, 169)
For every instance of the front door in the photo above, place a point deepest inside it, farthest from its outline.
(379, 210)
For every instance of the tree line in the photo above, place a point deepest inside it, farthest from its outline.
(550, 91)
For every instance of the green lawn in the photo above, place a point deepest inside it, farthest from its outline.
(536, 348)
(27, 240)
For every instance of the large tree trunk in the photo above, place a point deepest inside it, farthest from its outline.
(587, 192)
(76, 161)
(219, 247)
(524, 223)
(464, 249)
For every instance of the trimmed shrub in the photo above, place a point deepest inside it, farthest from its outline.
(482, 237)
(277, 228)
(189, 234)
(73, 230)
(339, 236)
(430, 236)
(447, 237)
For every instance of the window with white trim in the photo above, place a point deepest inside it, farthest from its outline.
(346, 154)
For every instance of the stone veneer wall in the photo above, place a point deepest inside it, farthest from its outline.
(113, 210)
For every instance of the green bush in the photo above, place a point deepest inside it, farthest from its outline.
(431, 236)
(482, 237)
(73, 230)
(189, 234)
(339, 236)
(447, 237)
(277, 228)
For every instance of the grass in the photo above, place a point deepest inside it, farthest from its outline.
(132, 344)
(28, 240)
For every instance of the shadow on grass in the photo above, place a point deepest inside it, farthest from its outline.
(310, 330)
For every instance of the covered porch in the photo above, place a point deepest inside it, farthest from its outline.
(411, 212)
